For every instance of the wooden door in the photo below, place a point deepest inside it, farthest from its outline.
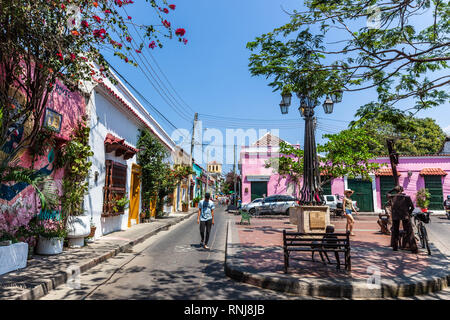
(363, 194)
(434, 186)
(135, 192)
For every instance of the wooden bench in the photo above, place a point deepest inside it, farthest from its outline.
(317, 242)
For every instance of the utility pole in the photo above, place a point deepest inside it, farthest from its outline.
(393, 156)
(234, 175)
(192, 149)
(207, 171)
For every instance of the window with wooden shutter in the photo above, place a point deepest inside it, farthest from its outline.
(115, 188)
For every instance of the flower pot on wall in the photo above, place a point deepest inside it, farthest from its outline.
(78, 228)
(49, 246)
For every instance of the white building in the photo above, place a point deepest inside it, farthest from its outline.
(115, 117)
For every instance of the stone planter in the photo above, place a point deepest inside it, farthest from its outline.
(49, 246)
(78, 228)
(13, 257)
(312, 219)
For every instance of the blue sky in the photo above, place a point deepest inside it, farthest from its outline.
(210, 74)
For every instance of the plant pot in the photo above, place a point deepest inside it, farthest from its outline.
(30, 252)
(78, 228)
(92, 234)
(5, 243)
(195, 204)
(49, 246)
(184, 207)
(13, 257)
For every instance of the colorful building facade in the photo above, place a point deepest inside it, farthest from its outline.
(415, 172)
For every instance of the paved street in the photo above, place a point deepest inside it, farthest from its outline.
(170, 265)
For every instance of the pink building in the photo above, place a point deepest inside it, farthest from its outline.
(415, 172)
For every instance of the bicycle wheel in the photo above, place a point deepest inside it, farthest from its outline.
(425, 239)
(421, 236)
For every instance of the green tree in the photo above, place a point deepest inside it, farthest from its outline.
(354, 45)
(152, 158)
(347, 153)
(417, 137)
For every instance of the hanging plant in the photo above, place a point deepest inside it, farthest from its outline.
(76, 164)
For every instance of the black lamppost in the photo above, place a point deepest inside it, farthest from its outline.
(311, 192)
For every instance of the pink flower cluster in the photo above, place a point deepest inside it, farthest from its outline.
(13, 217)
(51, 225)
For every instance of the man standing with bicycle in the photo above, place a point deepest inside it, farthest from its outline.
(402, 207)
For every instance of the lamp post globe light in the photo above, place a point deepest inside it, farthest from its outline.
(311, 192)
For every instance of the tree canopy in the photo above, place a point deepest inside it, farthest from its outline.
(400, 49)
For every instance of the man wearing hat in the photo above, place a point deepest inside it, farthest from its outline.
(402, 207)
(206, 219)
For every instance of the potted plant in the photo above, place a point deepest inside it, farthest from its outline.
(423, 199)
(14, 230)
(51, 237)
(184, 206)
(195, 201)
(93, 228)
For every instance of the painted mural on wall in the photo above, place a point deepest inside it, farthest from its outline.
(63, 112)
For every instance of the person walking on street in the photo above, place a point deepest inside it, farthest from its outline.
(206, 219)
(349, 208)
(402, 207)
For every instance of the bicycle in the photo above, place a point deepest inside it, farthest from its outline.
(420, 219)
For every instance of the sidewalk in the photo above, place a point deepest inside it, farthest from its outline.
(254, 255)
(44, 273)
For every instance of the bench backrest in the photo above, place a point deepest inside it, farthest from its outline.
(328, 240)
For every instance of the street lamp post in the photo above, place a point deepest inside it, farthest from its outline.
(311, 192)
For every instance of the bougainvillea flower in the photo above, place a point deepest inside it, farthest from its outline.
(95, 4)
(84, 23)
(129, 18)
(60, 56)
(166, 10)
(180, 32)
(172, 6)
(185, 41)
(72, 56)
(97, 18)
(107, 11)
(75, 32)
(166, 23)
(129, 39)
(138, 51)
(118, 2)
(152, 45)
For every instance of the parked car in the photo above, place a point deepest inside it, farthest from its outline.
(276, 204)
(251, 207)
(332, 201)
(335, 204)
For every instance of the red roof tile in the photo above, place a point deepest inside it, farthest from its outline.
(386, 172)
(433, 172)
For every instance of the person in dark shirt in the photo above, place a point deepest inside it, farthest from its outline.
(402, 207)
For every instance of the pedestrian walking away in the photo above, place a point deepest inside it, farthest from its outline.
(349, 208)
(402, 207)
(205, 218)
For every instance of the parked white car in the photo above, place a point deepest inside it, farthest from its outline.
(277, 204)
(251, 207)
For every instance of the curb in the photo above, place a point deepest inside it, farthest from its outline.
(331, 288)
(61, 277)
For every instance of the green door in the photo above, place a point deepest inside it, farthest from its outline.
(327, 188)
(387, 183)
(363, 194)
(258, 189)
(434, 186)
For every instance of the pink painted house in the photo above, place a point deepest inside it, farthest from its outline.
(415, 172)
(63, 111)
